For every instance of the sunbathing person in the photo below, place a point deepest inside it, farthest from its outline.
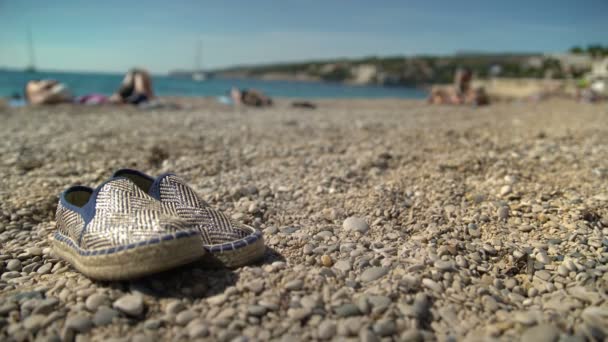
(438, 96)
(476, 97)
(136, 88)
(250, 97)
(461, 93)
(40, 92)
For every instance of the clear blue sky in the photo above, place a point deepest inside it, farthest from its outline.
(109, 35)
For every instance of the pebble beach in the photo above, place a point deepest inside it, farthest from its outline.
(384, 220)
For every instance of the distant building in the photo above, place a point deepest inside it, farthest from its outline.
(598, 76)
(534, 62)
(599, 68)
(573, 61)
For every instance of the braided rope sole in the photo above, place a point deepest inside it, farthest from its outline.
(236, 257)
(136, 262)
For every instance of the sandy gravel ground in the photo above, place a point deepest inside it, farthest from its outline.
(384, 220)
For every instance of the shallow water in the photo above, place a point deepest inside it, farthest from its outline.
(12, 82)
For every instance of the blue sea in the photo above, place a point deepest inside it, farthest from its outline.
(12, 82)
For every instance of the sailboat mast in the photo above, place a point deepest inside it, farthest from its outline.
(198, 55)
(32, 56)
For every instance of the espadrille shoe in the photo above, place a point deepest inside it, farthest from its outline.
(227, 243)
(118, 231)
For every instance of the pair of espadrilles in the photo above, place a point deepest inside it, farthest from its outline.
(134, 225)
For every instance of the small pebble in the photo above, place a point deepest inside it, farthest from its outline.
(132, 305)
(355, 224)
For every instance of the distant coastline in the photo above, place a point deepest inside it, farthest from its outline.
(416, 71)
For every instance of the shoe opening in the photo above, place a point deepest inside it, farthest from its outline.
(142, 180)
(78, 196)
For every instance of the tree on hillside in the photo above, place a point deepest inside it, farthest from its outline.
(576, 49)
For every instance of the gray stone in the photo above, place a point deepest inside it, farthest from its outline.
(445, 266)
(35, 251)
(374, 273)
(13, 265)
(185, 317)
(366, 335)
(45, 269)
(34, 323)
(411, 335)
(198, 330)
(505, 190)
(347, 310)
(542, 257)
(431, 284)
(422, 305)
(10, 275)
(503, 213)
(379, 303)
(256, 286)
(572, 338)
(46, 306)
(327, 330)
(174, 307)
(310, 302)
(355, 224)
(525, 228)
(562, 270)
(256, 310)
(152, 324)
(473, 230)
(299, 313)
(294, 285)
(385, 327)
(364, 305)
(95, 300)
(132, 305)
(79, 323)
(104, 316)
(544, 275)
(217, 300)
(541, 333)
(343, 265)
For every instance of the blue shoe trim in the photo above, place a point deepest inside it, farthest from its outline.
(237, 244)
(68, 205)
(66, 240)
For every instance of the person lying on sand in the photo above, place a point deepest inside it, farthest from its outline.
(136, 88)
(476, 97)
(250, 97)
(461, 93)
(40, 92)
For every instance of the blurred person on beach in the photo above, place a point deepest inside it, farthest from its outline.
(462, 81)
(42, 92)
(250, 97)
(136, 88)
(461, 92)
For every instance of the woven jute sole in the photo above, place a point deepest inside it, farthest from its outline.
(237, 257)
(136, 262)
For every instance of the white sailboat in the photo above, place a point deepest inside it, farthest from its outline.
(30, 43)
(199, 75)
